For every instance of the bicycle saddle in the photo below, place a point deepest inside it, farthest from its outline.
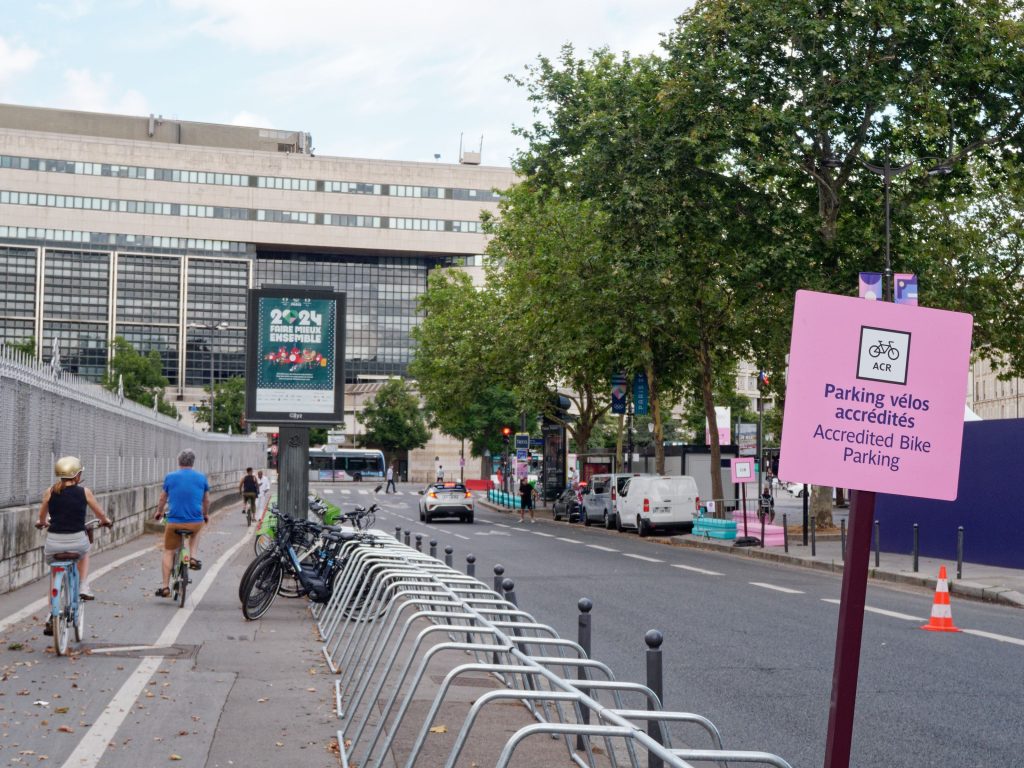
(64, 556)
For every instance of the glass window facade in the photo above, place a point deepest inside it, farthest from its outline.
(83, 347)
(148, 289)
(217, 290)
(18, 290)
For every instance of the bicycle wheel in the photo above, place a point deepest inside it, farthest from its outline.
(250, 508)
(263, 585)
(182, 582)
(262, 543)
(290, 586)
(246, 574)
(61, 628)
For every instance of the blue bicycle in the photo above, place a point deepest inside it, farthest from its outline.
(67, 611)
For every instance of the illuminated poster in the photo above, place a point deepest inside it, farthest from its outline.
(295, 355)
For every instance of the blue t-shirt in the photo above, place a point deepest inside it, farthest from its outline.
(185, 490)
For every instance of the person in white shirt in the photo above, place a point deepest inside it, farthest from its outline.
(263, 500)
(391, 479)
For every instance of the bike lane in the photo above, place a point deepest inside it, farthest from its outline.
(153, 683)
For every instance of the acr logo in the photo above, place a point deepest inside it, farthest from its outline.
(884, 355)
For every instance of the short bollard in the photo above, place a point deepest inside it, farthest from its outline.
(448, 555)
(583, 632)
(398, 534)
(654, 639)
(842, 540)
(785, 534)
(917, 546)
(499, 572)
(959, 552)
(878, 544)
(764, 517)
(407, 534)
(814, 538)
(508, 587)
(471, 565)
(419, 542)
(433, 548)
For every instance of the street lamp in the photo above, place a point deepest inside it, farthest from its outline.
(212, 328)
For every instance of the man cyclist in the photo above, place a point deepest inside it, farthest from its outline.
(64, 507)
(249, 488)
(188, 494)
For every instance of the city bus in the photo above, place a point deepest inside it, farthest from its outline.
(331, 463)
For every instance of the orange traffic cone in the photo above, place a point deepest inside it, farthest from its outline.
(942, 615)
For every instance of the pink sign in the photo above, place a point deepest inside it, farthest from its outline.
(743, 471)
(875, 396)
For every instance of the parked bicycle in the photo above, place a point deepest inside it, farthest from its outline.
(312, 566)
(67, 610)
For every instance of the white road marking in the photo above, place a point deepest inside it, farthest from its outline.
(546, 535)
(881, 611)
(94, 743)
(696, 570)
(603, 549)
(570, 541)
(993, 636)
(460, 536)
(327, 490)
(642, 557)
(38, 605)
(122, 648)
(777, 589)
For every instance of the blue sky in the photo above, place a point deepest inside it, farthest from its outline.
(383, 79)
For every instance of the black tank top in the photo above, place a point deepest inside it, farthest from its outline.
(67, 510)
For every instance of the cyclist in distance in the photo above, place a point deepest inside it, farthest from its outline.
(65, 503)
(249, 488)
(188, 494)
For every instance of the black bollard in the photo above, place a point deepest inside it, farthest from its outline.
(842, 540)
(764, 516)
(448, 555)
(471, 565)
(654, 639)
(806, 493)
(433, 548)
(583, 633)
(398, 534)
(499, 571)
(785, 534)
(917, 547)
(509, 588)
(878, 544)
(419, 542)
(959, 552)
(407, 534)
(814, 538)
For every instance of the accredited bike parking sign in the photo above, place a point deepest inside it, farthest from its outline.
(875, 396)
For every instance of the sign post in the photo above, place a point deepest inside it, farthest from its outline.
(743, 473)
(294, 375)
(876, 394)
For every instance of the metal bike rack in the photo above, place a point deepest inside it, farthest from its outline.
(395, 611)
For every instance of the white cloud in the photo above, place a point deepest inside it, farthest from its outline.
(87, 92)
(16, 60)
(251, 120)
(69, 10)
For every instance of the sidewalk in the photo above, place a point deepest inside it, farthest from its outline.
(981, 582)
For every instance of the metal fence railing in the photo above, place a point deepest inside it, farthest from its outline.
(47, 414)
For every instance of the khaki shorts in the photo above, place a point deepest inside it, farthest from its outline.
(171, 537)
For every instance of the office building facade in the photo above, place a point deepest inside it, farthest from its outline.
(154, 229)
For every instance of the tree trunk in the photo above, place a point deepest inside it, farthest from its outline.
(654, 402)
(619, 436)
(707, 394)
(821, 506)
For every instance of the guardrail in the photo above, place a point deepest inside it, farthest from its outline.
(396, 611)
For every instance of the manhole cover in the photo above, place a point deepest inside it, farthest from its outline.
(141, 651)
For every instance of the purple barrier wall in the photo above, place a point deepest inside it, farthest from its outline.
(988, 506)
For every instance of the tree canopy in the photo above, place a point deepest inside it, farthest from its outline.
(142, 376)
(393, 420)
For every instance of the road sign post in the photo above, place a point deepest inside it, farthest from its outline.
(876, 404)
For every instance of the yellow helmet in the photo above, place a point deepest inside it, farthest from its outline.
(68, 467)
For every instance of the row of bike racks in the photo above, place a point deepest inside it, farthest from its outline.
(395, 609)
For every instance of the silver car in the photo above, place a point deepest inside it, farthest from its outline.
(446, 500)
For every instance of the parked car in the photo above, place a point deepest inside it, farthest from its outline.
(601, 496)
(652, 502)
(446, 500)
(567, 506)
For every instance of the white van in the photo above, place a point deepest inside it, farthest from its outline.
(600, 498)
(652, 502)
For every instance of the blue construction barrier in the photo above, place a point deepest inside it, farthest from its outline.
(503, 498)
(714, 528)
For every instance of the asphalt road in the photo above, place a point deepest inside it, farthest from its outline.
(748, 644)
(751, 645)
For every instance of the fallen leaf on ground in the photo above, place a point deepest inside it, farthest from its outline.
(66, 729)
(175, 757)
(439, 729)
(61, 710)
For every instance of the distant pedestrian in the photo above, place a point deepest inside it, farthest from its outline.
(766, 506)
(440, 473)
(391, 479)
(263, 500)
(526, 494)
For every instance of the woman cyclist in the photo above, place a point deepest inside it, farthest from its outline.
(65, 504)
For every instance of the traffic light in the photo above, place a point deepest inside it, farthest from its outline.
(506, 434)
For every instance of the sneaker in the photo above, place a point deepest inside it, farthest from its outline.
(48, 627)
(533, 521)
(520, 520)
(86, 593)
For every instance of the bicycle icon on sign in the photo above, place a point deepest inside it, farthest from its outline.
(886, 348)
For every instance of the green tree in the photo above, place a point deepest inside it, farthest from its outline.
(142, 376)
(25, 346)
(459, 361)
(393, 420)
(228, 405)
